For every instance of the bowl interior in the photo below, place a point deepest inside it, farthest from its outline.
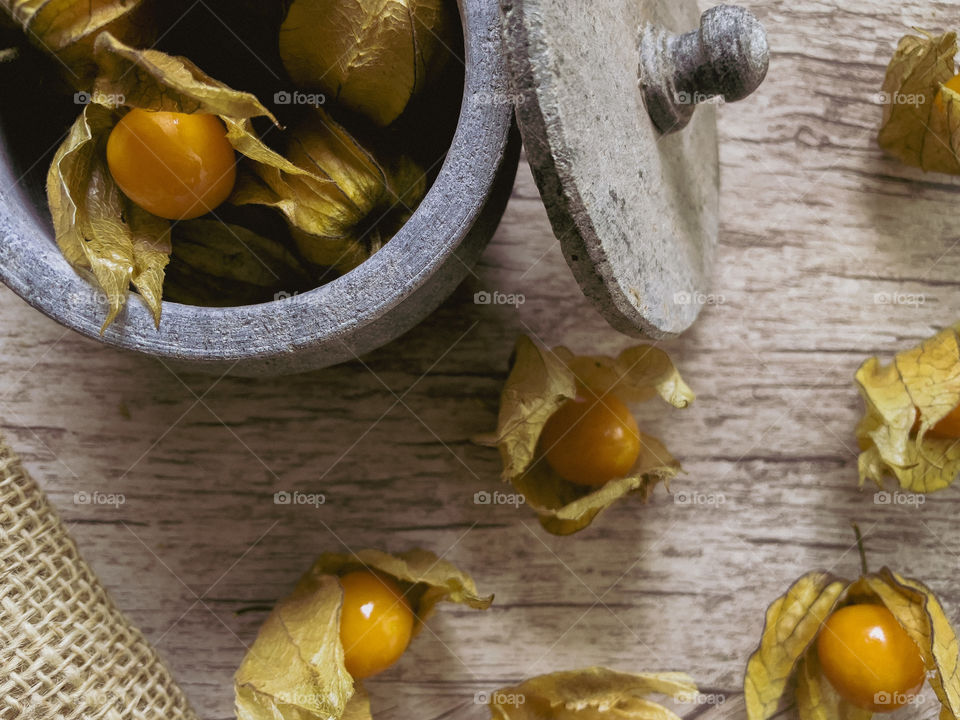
(332, 314)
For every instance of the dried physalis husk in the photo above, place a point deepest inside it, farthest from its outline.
(540, 382)
(369, 57)
(68, 29)
(222, 264)
(592, 693)
(340, 201)
(787, 654)
(97, 228)
(295, 668)
(906, 430)
(921, 118)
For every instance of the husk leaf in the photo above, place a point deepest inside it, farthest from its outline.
(918, 127)
(792, 623)
(406, 184)
(921, 382)
(816, 698)
(371, 57)
(636, 375)
(68, 29)
(154, 80)
(592, 693)
(295, 670)
(329, 188)
(151, 254)
(358, 707)
(88, 216)
(215, 262)
(919, 612)
(539, 383)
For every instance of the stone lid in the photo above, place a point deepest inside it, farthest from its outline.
(605, 95)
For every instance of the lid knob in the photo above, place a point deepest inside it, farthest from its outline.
(724, 60)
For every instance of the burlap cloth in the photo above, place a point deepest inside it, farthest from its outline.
(66, 651)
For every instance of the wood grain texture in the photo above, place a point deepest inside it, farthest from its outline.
(818, 229)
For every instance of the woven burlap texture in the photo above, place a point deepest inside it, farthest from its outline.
(66, 651)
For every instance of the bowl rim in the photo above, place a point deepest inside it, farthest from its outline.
(332, 313)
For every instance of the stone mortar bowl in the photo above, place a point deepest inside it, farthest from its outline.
(378, 301)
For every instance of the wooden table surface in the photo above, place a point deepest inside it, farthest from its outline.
(829, 253)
